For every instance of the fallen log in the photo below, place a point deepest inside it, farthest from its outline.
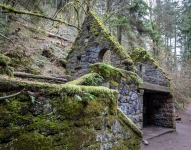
(58, 37)
(27, 75)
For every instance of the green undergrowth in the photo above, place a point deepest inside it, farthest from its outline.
(109, 72)
(4, 65)
(101, 72)
(88, 79)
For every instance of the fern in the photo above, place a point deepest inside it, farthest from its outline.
(93, 80)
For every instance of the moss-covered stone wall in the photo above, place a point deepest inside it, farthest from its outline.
(158, 102)
(91, 45)
(45, 116)
(148, 68)
(130, 99)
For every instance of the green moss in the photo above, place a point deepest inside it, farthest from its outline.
(77, 134)
(135, 78)
(135, 134)
(7, 134)
(106, 70)
(58, 89)
(4, 60)
(32, 141)
(88, 105)
(88, 79)
(102, 36)
(4, 68)
(74, 139)
(7, 70)
(142, 55)
(96, 33)
(98, 26)
(14, 105)
(110, 72)
(113, 83)
(93, 80)
(95, 108)
(71, 107)
(129, 123)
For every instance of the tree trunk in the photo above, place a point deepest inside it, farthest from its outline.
(60, 4)
(175, 57)
(119, 33)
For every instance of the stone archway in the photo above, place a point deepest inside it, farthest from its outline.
(105, 56)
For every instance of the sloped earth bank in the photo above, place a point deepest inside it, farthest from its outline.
(179, 140)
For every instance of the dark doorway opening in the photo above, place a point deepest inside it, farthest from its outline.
(157, 109)
(147, 109)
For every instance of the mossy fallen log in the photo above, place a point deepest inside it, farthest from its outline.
(53, 79)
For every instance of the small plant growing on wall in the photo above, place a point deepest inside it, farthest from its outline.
(93, 80)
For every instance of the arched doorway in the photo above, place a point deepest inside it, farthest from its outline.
(105, 56)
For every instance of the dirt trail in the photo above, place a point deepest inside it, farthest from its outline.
(179, 140)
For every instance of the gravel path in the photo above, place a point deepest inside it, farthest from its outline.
(179, 140)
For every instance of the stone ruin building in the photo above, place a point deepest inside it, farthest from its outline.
(107, 104)
(145, 93)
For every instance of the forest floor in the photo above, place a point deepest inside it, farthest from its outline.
(179, 140)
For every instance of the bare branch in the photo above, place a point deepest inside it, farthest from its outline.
(13, 10)
(10, 96)
(6, 38)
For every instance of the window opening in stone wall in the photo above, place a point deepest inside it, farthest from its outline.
(105, 56)
(78, 67)
(142, 70)
(79, 59)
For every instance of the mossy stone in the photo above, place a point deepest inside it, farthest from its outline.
(114, 83)
(32, 141)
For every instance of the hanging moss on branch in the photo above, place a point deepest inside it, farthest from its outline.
(10, 9)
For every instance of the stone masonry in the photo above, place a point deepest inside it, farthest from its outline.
(90, 47)
(152, 74)
(161, 109)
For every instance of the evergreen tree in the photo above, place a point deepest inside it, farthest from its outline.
(185, 30)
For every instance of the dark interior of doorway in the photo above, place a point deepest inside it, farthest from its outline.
(152, 102)
(147, 109)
